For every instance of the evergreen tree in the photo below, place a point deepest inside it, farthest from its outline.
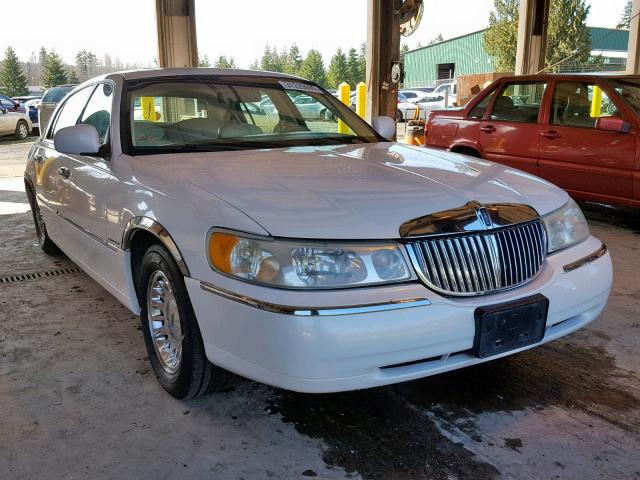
(13, 81)
(203, 61)
(404, 49)
(72, 77)
(567, 33)
(54, 71)
(362, 63)
(312, 68)
(224, 62)
(255, 65)
(437, 39)
(353, 64)
(338, 69)
(625, 18)
(293, 61)
(42, 56)
(271, 60)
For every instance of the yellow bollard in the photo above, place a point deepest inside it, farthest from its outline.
(596, 102)
(361, 99)
(148, 105)
(344, 93)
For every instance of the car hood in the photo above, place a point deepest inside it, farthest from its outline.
(363, 191)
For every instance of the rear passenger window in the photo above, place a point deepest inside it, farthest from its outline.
(519, 102)
(579, 104)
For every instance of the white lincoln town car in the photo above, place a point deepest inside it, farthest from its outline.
(312, 255)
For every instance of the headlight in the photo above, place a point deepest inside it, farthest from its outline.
(306, 264)
(565, 227)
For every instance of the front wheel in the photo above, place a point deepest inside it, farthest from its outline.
(171, 334)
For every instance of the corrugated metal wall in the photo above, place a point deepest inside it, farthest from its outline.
(468, 55)
(466, 52)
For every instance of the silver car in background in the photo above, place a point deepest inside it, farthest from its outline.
(14, 123)
(51, 98)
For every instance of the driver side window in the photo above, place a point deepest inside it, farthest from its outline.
(98, 111)
(70, 112)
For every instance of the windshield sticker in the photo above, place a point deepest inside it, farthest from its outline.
(303, 87)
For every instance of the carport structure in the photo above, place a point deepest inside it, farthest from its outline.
(177, 43)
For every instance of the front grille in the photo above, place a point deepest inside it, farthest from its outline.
(481, 262)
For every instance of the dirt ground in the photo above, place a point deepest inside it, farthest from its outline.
(78, 399)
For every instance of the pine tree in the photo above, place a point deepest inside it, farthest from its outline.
(437, 39)
(255, 65)
(567, 33)
(224, 62)
(72, 77)
(271, 60)
(353, 65)
(293, 61)
(338, 69)
(204, 61)
(42, 56)
(312, 68)
(87, 62)
(362, 63)
(54, 71)
(13, 81)
(625, 18)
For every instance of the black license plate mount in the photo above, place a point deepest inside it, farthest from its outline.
(509, 326)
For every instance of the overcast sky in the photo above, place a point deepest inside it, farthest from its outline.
(126, 28)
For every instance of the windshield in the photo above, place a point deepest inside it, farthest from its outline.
(237, 113)
(629, 90)
(55, 94)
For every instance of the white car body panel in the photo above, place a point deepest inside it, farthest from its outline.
(346, 192)
(9, 122)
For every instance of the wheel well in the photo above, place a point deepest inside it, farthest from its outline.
(140, 242)
(472, 152)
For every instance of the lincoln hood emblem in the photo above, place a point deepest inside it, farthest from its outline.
(483, 215)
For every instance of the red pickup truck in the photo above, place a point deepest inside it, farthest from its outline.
(577, 131)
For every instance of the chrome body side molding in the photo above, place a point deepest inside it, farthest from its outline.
(585, 260)
(155, 228)
(314, 311)
(472, 217)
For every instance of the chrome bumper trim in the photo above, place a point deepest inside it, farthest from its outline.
(588, 259)
(314, 311)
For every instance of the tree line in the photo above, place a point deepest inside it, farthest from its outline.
(344, 66)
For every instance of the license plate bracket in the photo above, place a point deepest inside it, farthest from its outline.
(509, 326)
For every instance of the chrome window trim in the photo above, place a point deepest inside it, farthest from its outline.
(586, 260)
(314, 311)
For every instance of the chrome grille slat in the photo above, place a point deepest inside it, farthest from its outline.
(481, 262)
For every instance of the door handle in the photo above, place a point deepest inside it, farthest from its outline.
(63, 172)
(549, 134)
(488, 129)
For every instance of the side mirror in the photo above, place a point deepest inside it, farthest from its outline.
(77, 140)
(385, 126)
(612, 124)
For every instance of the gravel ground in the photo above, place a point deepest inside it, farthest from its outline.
(79, 400)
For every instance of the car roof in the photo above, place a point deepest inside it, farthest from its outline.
(190, 72)
(549, 76)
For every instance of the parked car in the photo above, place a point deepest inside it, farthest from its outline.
(425, 106)
(14, 123)
(50, 100)
(310, 108)
(11, 105)
(577, 131)
(312, 256)
(32, 109)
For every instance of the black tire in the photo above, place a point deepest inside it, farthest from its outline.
(46, 244)
(399, 116)
(194, 375)
(22, 130)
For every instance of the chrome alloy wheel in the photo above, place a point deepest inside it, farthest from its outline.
(164, 322)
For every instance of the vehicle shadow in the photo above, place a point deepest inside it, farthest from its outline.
(626, 218)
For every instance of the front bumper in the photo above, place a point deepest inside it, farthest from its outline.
(328, 342)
